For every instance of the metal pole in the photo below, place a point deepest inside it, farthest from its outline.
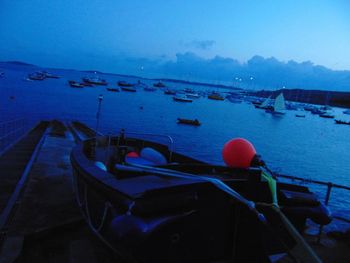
(100, 98)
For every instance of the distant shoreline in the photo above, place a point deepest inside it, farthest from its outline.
(320, 97)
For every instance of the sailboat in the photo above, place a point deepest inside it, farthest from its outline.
(265, 105)
(279, 106)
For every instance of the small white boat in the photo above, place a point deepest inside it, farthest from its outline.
(327, 114)
(265, 105)
(95, 80)
(193, 95)
(181, 98)
(169, 92)
(279, 107)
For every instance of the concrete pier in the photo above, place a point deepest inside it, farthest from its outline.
(47, 225)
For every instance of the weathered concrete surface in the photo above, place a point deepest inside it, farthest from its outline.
(330, 250)
(47, 223)
(48, 199)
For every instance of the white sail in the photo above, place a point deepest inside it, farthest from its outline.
(279, 105)
(266, 102)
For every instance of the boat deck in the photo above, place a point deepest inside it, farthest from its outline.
(45, 224)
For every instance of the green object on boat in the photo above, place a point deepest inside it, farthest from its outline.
(272, 185)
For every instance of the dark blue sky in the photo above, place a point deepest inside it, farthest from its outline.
(98, 34)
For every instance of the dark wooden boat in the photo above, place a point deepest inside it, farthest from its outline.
(36, 76)
(113, 89)
(95, 81)
(150, 204)
(342, 122)
(159, 84)
(87, 84)
(49, 75)
(194, 122)
(125, 84)
(75, 84)
(169, 92)
(327, 115)
(129, 88)
(215, 96)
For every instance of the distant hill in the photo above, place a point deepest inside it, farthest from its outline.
(92, 71)
(19, 63)
(199, 83)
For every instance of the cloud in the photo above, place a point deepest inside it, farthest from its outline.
(267, 73)
(258, 72)
(202, 44)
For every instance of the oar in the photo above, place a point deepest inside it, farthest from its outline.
(301, 250)
(216, 182)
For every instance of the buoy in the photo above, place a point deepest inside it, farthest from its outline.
(152, 155)
(101, 166)
(238, 153)
(133, 154)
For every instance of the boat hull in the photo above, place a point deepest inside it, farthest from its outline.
(129, 89)
(188, 122)
(181, 99)
(151, 218)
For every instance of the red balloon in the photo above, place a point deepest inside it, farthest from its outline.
(238, 153)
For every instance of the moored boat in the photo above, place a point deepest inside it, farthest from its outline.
(189, 90)
(279, 106)
(113, 89)
(95, 81)
(309, 107)
(87, 84)
(265, 104)
(181, 98)
(128, 88)
(317, 111)
(75, 84)
(327, 115)
(342, 122)
(36, 76)
(194, 122)
(159, 84)
(49, 75)
(346, 112)
(215, 96)
(125, 84)
(150, 204)
(193, 95)
(169, 92)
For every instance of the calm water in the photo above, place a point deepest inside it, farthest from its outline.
(310, 147)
